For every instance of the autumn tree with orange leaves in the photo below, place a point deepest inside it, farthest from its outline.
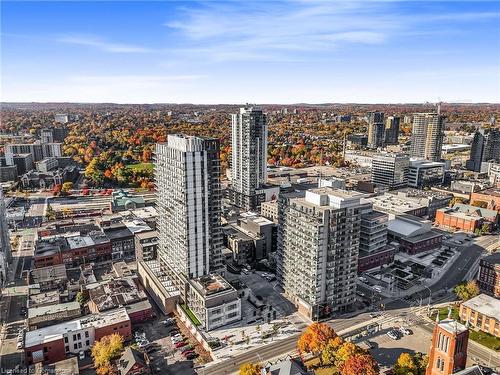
(363, 364)
(315, 338)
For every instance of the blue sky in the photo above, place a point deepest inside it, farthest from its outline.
(244, 51)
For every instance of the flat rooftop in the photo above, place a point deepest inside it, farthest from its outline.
(211, 284)
(452, 326)
(485, 305)
(52, 309)
(57, 331)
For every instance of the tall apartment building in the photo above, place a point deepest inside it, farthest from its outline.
(427, 136)
(391, 130)
(5, 251)
(390, 170)
(187, 172)
(485, 147)
(318, 249)
(376, 129)
(249, 157)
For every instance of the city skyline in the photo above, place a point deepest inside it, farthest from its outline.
(190, 52)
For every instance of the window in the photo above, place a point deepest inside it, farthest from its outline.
(79, 345)
(86, 334)
(87, 343)
(66, 339)
(74, 337)
(438, 363)
(66, 348)
(75, 346)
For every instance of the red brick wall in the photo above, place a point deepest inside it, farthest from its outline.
(451, 221)
(123, 328)
(43, 261)
(55, 352)
(488, 199)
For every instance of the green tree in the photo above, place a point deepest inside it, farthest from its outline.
(330, 350)
(80, 298)
(93, 172)
(405, 365)
(346, 351)
(467, 290)
(421, 361)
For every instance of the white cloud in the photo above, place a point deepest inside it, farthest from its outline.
(103, 45)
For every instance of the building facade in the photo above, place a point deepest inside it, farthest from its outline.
(214, 302)
(489, 275)
(485, 147)
(482, 313)
(5, 250)
(390, 170)
(318, 246)
(187, 172)
(391, 130)
(448, 351)
(422, 173)
(376, 129)
(249, 157)
(373, 248)
(427, 136)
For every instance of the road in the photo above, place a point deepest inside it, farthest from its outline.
(394, 307)
(14, 297)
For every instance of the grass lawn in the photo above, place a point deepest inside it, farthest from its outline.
(140, 167)
(314, 363)
(480, 337)
(191, 315)
(443, 313)
(485, 339)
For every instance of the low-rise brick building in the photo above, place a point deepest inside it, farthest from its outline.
(72, 250)
(53, 343)
(483, 314)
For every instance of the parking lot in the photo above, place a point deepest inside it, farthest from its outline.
(386, 350)
(162, 350)
(267, 292)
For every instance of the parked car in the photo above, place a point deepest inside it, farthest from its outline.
(393, 334)
(81, 355)
(359, 293)
(369, 344)
(404, 331)
(188, 352)
(377, 288)
(151, 349)
(374, 314)
(180, 344)
(168, 322)
(20, 345)
(362, 279)
(186, 348)
(191, 356)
